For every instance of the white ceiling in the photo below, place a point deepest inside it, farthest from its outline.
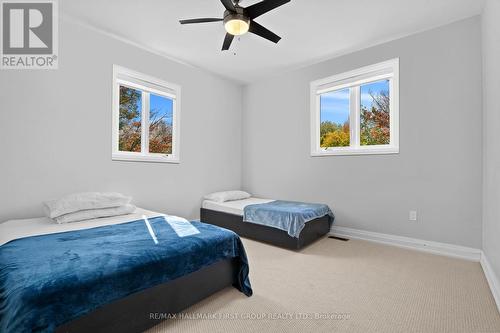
(311, 30)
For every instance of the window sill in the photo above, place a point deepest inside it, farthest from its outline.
(355, 151)
(152, 158)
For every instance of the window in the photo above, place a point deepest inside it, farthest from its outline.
(145, 118)
(356, 112)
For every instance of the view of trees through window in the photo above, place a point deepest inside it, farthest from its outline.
(375, 113)
(160, 122)
(374, 116)
(335, 111)
(130, 120)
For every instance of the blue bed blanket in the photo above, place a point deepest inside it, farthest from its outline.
(289, 216)
(48, 280)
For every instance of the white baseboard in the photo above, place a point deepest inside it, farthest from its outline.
(445, 249)
(492, 279)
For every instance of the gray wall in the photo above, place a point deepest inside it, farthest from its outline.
(57, 142)
(55, 131)
(491, 85)
(439, 169)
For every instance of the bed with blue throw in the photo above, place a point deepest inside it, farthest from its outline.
(51, 279)
(288, 224)
(289, 216)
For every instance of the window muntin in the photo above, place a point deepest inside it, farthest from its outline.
(367, 101)
(145, 118)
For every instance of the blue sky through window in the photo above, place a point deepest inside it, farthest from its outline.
(163, 107)
(375, 89)
(335, 104)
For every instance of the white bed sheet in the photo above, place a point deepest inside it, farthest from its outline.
(14, 229)
(235, 207)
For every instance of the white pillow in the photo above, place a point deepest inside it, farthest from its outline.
(227, 196)
(83, 201)
(95, 213)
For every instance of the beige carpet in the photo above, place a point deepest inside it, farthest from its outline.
(357, 286)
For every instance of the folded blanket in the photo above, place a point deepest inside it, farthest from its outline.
(89, 214)
(84, 201)
(288, 216)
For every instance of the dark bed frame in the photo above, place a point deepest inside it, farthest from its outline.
(145, 309)
(313, 230)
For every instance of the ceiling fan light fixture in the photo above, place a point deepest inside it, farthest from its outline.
(240, 20)
(236, 24)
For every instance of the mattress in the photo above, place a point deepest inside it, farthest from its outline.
(235, 207)
(14, 229)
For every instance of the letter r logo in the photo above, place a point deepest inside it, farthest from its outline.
(27, 28)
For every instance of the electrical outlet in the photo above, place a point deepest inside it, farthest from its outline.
(413, 215)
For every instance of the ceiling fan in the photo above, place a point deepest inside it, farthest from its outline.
(238, 20)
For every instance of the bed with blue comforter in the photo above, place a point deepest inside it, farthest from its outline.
(288, 224)
(289, 216)
(49, 280)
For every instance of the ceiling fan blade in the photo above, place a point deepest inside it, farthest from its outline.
(228, 4)
(263, 32)
(227, 42)
(263, 7)
(200, 20)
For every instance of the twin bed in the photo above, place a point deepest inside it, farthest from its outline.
(112, 274)
(287, 224)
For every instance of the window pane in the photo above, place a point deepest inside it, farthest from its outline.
(160, 124)
(334, 118)
(130, 120)
(375, 113)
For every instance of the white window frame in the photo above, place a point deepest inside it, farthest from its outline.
(147, 85)
(387, 70)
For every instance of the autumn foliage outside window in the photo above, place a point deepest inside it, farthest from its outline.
(356, 112)
(374, 116)
(335, 118)
(130, 122)
(146, 118)
(160, 125)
